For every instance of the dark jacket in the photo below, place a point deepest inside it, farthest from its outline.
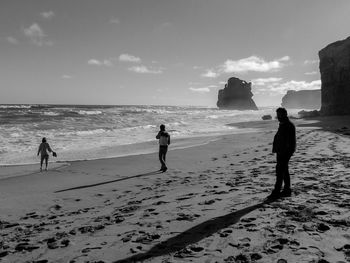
(164, 138)
(284, 141)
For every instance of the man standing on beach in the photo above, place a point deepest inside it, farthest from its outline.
(164, 141)
(284, 144)
(44, 150)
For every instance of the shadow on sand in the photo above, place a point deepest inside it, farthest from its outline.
(108, 182)
(192, 235)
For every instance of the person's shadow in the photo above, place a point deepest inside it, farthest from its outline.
(108, 182)
(192, 235)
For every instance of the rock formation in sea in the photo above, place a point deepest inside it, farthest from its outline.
(237, 95)
(303, 99)
(308, 114)
(266, 117)
(335, 78)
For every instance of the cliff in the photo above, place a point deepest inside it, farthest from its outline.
(335, 78)
(303, 99)
(236, 95)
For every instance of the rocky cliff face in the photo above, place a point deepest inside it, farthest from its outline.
(236, 95)
(303, 99)
(335, 78)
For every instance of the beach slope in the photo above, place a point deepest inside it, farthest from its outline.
(208, 207)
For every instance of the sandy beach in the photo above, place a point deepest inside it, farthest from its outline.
(208, 207)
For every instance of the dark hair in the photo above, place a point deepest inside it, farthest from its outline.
(44, 139)
(162, 127)
(282, 111)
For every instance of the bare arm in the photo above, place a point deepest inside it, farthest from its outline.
(158, 135)
(168, 139)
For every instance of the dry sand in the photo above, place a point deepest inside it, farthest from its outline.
(208, 207)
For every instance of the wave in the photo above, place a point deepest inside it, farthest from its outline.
(92, 129)
(15, 106)
(51, 113)
(89, 112)
(90, 132)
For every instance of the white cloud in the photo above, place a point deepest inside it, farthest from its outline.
(285, 58)
(282, 88)
(129, 58)
(114, 21)
(210, 74)
(308, 62)
(144, 70)
(12, 40)
(253, 63)
(200, 90)
(203, 89)
(311, 73)
(66, 76)
(48, 14)
(244, 65)
(299, 85)
(36, 35)
(264, 81)
(105, 62)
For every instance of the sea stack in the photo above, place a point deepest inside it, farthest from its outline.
(236, 95)
(302, 99)
(335, 78)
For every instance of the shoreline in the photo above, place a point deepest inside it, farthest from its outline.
(149, 147)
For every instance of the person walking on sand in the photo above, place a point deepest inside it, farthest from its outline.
(44, 150)
(164, 141)
(284, 144)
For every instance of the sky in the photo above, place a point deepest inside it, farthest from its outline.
(162, 52)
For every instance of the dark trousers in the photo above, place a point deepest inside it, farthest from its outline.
(282, 173)
(163, 149)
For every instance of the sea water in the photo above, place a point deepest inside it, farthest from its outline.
(78, 132)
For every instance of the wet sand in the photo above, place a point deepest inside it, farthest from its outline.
(208, 207)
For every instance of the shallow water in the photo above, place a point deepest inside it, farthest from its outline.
(79, 132)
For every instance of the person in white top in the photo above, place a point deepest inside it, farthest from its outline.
(164, 141)
(44, 150)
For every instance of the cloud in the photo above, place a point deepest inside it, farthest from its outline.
(48, 14)
(299, 85)
(105, 62)
(144, 70)
(66, 76)
(244, 65)
(311, 73)
(253, 63)
(129, 58)
(12, 40)
(36, 35)
(308, 62)
(210, 74)
(114, 21)
(282, 88)
(264, 81)
(200, 90)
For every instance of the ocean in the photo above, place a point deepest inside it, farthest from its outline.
(80, 132)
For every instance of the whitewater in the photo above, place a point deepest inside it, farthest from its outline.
(80, 132)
